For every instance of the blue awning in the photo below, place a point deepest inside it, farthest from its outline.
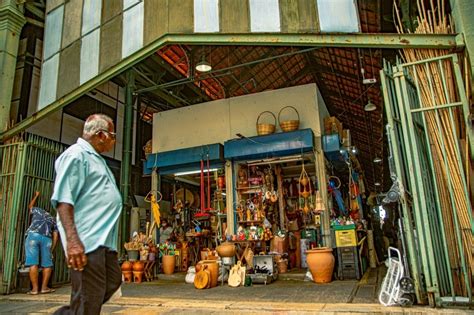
(269, 146)
(183, 160)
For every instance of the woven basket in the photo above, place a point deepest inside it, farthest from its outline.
(289, 125)
(265, 129)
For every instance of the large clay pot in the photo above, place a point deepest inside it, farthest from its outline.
(127, 266)
(321, 264)
(138, 265)
(226, 249)
(213, 268)
(169, 262)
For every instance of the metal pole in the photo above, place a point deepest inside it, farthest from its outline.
(10, 257)
(435, 192)
(386, 76)
(422, 204)
(126, 156)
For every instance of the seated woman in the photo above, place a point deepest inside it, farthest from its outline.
(165, 231)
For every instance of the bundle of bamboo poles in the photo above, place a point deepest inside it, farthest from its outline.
(445, 127)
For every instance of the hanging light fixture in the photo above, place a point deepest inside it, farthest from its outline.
(370, 107)
(377, 160)
(203, 65)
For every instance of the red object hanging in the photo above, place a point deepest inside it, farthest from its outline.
(204, 210)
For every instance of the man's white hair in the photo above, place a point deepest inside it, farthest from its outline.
(96, 123)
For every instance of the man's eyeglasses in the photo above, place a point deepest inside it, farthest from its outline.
(112, 134)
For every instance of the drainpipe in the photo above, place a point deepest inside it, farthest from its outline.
(11, 23)
(125, 168)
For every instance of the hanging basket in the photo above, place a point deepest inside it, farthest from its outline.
(265, 129)
(289, 125)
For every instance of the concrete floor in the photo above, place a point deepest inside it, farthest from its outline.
(289, 295)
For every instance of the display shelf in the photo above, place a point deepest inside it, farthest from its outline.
(246, 241)
(249, 190)
(251, 221)
(249, 187)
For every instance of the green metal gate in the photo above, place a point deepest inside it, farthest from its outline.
(27, 165)
(432, 147)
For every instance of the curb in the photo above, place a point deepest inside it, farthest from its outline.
(251, 306)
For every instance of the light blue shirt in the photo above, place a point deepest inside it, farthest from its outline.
(84, 180)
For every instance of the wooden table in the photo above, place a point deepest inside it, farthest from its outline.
(148, 270)
(196, 244)
(245, 244)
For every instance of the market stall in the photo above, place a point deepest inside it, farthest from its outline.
(269, 199)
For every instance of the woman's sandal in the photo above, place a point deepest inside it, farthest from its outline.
(32, 292)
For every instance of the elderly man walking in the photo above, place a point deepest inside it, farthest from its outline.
(89, 204)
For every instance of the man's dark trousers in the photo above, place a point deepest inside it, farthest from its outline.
(94, 286)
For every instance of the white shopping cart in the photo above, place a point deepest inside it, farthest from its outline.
(393, 289)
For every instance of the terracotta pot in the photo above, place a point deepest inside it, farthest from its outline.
(213, 268)
(127, 276)
(321, 264)
(127, 266)
(169, 262)
(138, 266)
(226, 249)
(282, 266)
(137, 276)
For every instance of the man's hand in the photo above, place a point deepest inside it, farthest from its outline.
(77, 259)
(33, 201)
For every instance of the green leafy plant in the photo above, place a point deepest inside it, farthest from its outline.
(167, 249)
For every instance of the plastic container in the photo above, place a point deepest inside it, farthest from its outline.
(132, 255)
(346, 238)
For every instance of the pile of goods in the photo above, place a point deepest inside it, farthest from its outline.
(140, 247)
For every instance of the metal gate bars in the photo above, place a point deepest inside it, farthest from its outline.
(27, 165)
(432, 147)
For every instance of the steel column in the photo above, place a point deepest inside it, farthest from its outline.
(126, 165)
(11, 23)
(462, 12)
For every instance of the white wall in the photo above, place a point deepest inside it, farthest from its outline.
(218, 121)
